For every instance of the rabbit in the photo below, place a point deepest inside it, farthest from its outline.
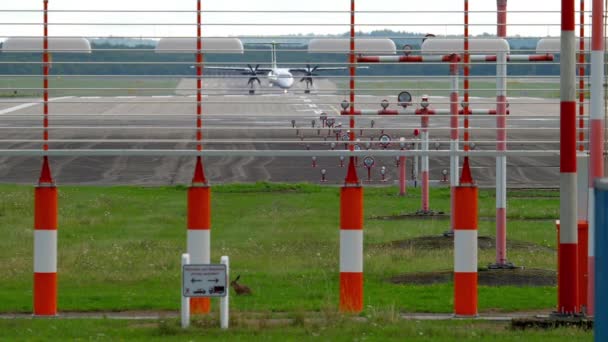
(240, 289)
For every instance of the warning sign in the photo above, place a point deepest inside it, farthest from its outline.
(205, 281)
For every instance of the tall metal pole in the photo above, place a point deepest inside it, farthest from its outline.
(454, 160)
(199, 193)
(596, 146)
(568, 302)
(351, 209)
(501, 141)
(582, 169)
(45, 208)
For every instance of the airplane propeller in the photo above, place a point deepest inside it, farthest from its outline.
(253, 73)
(308, 75)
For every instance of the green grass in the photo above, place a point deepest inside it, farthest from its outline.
(480, 88)
(120, 247)
(78, 86)
(380, 326)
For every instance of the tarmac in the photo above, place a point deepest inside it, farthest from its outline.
(233, 119)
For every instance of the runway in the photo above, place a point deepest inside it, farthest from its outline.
(263, 121)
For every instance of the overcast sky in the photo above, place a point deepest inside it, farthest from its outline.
(439, 23)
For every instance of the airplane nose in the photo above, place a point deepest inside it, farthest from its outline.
(290, 82)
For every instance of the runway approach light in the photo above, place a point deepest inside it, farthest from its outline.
(384, 104)
(56, 45)
(385, 140)
(345, 104)
(443, 46)
(402, 143)
(407, 49)
(368, 162)
(381, 46)
(405, 99)
(425, 101)
(209, 45)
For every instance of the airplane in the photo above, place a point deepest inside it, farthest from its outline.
(279, 77)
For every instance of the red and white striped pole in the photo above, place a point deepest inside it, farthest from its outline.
(454, 160)
(425, 113)
(45, 211)
(596, 146)
(402, 170)
(351, 211)
(402, 176)
(465, 245)
(425, 163)
(501, 141)
(568, 302)
(45, 244)
(582, 169)
(465, 214)
(199, 193)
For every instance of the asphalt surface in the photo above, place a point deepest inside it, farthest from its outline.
(263, 121)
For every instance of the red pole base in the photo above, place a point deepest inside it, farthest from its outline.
(465, 294)
(351, 292)
(45, 294)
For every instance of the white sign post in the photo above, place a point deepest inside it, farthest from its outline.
(205, 281)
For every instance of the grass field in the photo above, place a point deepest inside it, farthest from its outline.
(120, 247)
(379, 327)
(29, 86)
(480, 88)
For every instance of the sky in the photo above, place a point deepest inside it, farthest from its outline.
(524, 24)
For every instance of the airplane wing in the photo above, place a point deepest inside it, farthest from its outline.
(258, 71)
(305, 70)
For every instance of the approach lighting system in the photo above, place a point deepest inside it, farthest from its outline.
(437, 145)
(402, 143)
(424, 101)
(385, 140)
(368, 162)
(331, 122)
(407, 49)
(384, 104)
(345, 104)
(405, 99)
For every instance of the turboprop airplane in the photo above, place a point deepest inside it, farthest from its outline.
(280, 77)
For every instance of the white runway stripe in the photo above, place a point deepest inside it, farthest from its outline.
(27, 105)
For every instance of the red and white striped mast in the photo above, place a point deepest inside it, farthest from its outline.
(501, 141)
(199, 193)
(465, 215)
(596, 139)
(45, 207)
(454, 110)
(351, 208)
(568, 302)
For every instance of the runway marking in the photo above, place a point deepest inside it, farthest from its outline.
(126, 97)
(312, 105)
(271, 95)
(90, 97)
(27, 105)
(229, 95)
(162, 96)
(335, 109)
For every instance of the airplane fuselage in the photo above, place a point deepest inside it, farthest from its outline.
(281, 78)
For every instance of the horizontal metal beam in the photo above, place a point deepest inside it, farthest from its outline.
(266, 153)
